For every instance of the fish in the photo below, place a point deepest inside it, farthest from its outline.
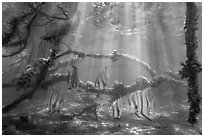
(56, 102)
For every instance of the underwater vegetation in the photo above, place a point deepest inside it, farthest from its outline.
(102, 68)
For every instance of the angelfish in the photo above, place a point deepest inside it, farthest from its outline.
(56, 102)
(102, 78)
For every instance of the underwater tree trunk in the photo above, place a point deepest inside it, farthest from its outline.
(191, 67)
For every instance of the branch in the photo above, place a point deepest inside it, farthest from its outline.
(53, 79)
(143, 64)
(63, 11)
(64, 64)
(18, 51)
(14, 26)
(174, 75)
(114, 56)
(50, 17)
(24, 41)
(41, 25)
(35, 9)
